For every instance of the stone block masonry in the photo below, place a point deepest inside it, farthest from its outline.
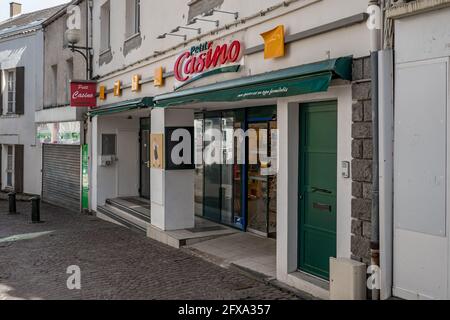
(362, 160)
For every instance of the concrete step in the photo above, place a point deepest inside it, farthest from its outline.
(122, 218)
(188, 237)
(120, 206)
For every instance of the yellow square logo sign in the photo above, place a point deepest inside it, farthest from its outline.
(274, 45)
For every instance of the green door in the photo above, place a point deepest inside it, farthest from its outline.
(318, 176)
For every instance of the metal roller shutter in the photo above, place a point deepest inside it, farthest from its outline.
(61, 176)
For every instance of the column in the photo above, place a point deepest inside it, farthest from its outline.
(287, 190)
(172, 191)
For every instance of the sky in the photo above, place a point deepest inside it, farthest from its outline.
(27, 6)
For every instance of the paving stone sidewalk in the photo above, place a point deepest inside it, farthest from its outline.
(115, 263)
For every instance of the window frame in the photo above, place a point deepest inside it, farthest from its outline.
(11, 89)
(137, 16)
(110, 138)
(105, 27)
(133, 18)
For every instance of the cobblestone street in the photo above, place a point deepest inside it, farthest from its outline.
(115, 263)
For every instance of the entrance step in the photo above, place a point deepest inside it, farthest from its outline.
(123, 217)
(133, 206)
(203, 231)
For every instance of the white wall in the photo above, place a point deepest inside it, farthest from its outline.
(25, 51)
(421, 149)
(122, 178)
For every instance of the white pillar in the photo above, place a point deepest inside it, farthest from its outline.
(287, 189)
(172, 191)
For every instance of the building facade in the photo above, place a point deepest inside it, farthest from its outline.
(288, 120)
(313, 100)
(60, 127)
(21, 94)
(418, 126)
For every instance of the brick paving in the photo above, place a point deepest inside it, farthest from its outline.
(115, 263)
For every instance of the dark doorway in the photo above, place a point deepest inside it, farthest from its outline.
(145, 158)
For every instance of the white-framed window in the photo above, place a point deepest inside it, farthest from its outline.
(9, 166)
(105, 27)
(109, 144)
(133, 17)
(11, 91)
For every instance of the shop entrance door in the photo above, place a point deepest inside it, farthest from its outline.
(145, 158)
(318, 180)
(262, 179)
(219, 183)
(212, 171)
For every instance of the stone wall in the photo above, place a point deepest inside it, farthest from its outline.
(362, 160)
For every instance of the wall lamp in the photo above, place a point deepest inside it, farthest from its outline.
(73, 37)
(164, 35)
(211, 12)
(198, 30)
(195, 20)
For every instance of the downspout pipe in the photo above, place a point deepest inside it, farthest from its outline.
(88, 52)
(375, 43)
(88, 60)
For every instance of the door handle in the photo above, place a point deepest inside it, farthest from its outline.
(314, 189)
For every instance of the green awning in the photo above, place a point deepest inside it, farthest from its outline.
(122, 107)
(315, 77)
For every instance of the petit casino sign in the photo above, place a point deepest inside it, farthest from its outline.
(205, 57)
(83, 94)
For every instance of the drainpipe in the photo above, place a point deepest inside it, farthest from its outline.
(375, 46)
(88, 52)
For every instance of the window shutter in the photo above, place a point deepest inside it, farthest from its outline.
(20, 90)
(18, 168)
(1, 92)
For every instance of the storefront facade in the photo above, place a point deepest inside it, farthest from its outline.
(308, 103)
